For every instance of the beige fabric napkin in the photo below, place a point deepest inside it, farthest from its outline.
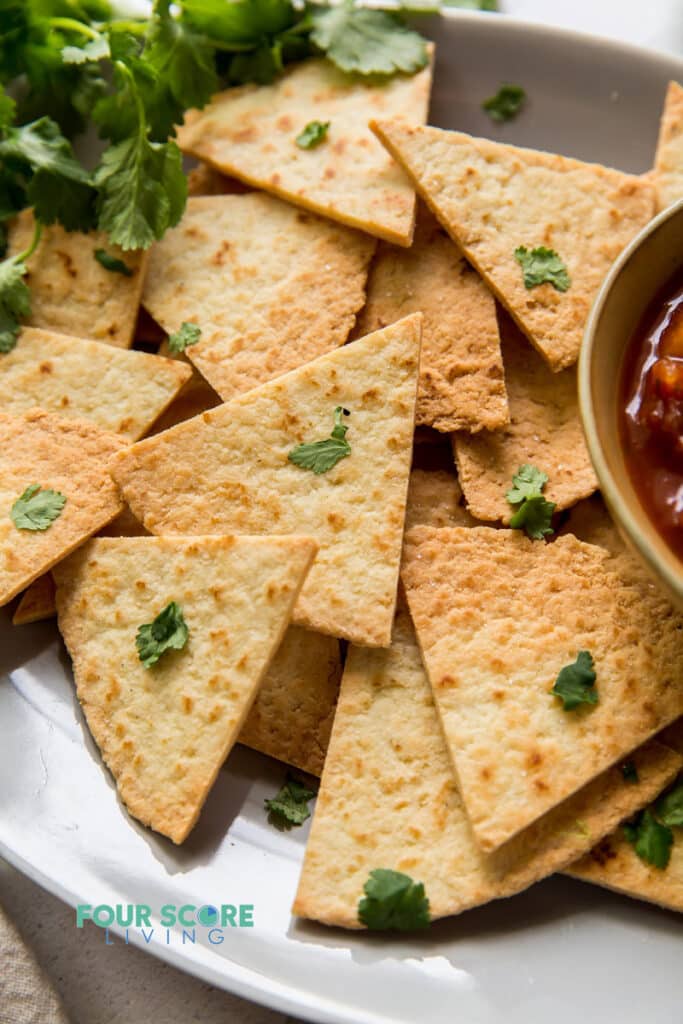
(26, 995)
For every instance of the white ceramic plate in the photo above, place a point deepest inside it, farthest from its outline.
(561, 952)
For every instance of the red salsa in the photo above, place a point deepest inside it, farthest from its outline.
(652, 420)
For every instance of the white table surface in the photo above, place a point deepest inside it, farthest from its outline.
(120, 984)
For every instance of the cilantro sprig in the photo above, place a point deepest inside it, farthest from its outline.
(321, 456)
(650, 831)
(37, 508)
(313, 134)
(112, 263)
(167, 632)
(15, 297)
(188, 334)
(506, 103)
(393, 901)
(289, 806)
(575, 684)
(533, 512)
(542, 266)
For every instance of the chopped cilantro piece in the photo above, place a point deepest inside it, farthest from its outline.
(313, 134)
(542, 266)
(168, 631)
(651, 840)
(506, 103)
(320, 456)
(629, 771)
(189, 334)
(290, 806)
(112, 263)
(534, 514)
(37, 509)
(393, 901)
(669, 808)
(575, 683)
(366, 41)
(15, 298)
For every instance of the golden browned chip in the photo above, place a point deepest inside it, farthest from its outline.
(37, 602)
(668, 169)
(205, 180)
(544, 430)
(291, 718)
(250, 132)
(123, 392)
(435, 499)
(462, 385)
(494, 198)
(228, 470)
(270, 287)
(66, 456)
(165, 729)
(71, 291)
(498, 617)
(388, 800)
(590, 521)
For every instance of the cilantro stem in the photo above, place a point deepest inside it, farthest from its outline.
(28, 252)
(71, 25)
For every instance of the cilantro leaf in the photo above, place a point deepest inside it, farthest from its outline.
(367, 41)
(321, 456)
(182, 59)
(7, 109)
(313, 134)
(94, 50)
(290, 805)
(168, 631)
(575, 684)
(189, 334)
(535, 512)
(15, 301)
(528, 482)
(37, 509)
(112, 263)
(240, 24)
(629, 772)
(393, 901)
(506, 103)
(542, 266)
(651, 840)
(669, 808)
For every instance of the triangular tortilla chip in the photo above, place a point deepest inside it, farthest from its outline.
(388, 800)
(493, 198)
(37, 602)
(270, 287)
(668, 170)
(165, 731)
(250, 132)
(462, 385)
(228, 471)
(74, 294)
(205, 180)
(68, 456)
(614, 864)
(123, 392)
(544, 430)
(435, 499)
(497, 617)
(590, 521)
(291, 718)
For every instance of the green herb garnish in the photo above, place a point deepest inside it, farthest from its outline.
(506, 103)
(37, 509)
(534, 512)
(575, 684)
(313, 134)
(393, 901)
(367, 41)
(112, 263)
(320, 456)
(290, 806)
(167, 632)
(189, 334)
(651, 840)
(542, 266)
(669, 808)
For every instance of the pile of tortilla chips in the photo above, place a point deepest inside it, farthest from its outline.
(354, 367)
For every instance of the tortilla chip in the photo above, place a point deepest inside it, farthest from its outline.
(291, 718)
(37, 603)
(544, 430)
(435, 499)
(668, 169)
(497, 617)
(591, 522)
(69, 456)
(204, 180)
(270, 287)
(165, 731)
(250, 132)
(462, 385)
(227, 470)
(492, 198)
(388, 800)
(71, 292)
(123, 392)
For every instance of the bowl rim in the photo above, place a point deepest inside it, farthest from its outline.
(669, 571)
